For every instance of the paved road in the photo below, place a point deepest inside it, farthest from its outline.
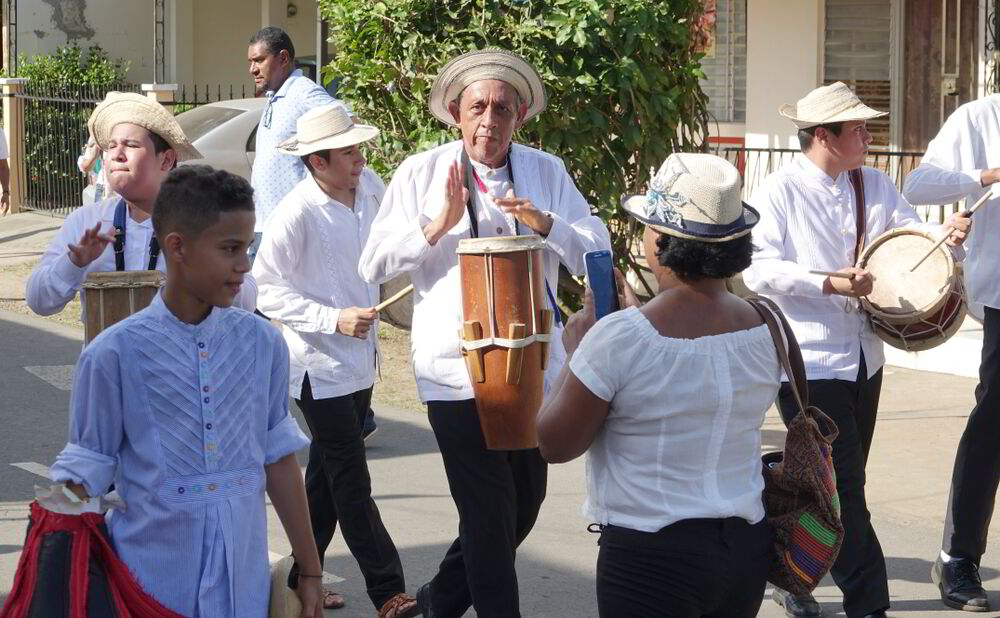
(921, 419)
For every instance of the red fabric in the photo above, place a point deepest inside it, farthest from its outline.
(129, 598)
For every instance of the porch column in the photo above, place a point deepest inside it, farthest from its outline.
(161, 93)
(274, 13)
(13, 116)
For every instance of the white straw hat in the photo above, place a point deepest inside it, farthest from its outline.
(475, 66)
(134, 108)
(826, 104)
(324, 128)
(695, 196)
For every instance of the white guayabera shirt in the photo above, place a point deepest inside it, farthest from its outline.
(415, 196)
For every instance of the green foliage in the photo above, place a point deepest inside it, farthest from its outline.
(62, 90)
(621, 76)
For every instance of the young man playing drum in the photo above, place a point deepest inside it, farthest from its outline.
(487, 94)
(307, 269)
(142, 142)
(962, 161)
(809, 221)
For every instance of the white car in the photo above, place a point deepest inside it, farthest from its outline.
(225, 133)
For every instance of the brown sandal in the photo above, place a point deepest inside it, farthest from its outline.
(333, 600)
(401, 605)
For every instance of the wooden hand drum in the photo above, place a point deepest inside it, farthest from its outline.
(913, 310)
(505, 335)
(111, 297)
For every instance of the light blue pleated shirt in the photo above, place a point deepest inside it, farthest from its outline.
(183, 419)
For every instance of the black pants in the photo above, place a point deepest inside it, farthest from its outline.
(977, 462)
(860, 568)
(339, 488)
(690, 569)
(498, 495)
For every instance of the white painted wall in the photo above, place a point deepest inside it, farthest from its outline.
(784, 62)
(123, 28)
(205, 40)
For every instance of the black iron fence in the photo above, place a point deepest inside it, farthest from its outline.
(55, 131)
(755, 164)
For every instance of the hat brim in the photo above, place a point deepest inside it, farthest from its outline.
(635, 206)
(120, 108)
(858, 112)
(449, 82)
(355, 135)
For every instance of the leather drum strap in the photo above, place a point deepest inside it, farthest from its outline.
(858, 182)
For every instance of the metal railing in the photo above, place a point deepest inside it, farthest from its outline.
(55, 131)
(756, 164)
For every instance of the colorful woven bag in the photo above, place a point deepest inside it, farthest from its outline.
(800, 486)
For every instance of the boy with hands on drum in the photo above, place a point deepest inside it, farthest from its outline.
(816, 214)
(184, 407)
(307, 268)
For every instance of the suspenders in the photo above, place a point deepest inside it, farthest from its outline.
(119, 246)
(473, 186)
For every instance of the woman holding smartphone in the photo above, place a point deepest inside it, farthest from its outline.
(667, 400)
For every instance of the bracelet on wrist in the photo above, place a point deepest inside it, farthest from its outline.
(314, 576)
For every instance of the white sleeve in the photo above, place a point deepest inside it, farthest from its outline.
(952, 166)
(770, 272)
(276, 262)
(598, 361)
(56, 280)
(575, 231)
(4, 152)
(396, 243)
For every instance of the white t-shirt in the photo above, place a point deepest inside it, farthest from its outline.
(4, 152)
(682, 437)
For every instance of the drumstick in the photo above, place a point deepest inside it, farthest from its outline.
(395, 297)
(830, 273)
(992, 193)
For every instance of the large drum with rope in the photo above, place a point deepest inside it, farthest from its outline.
(505, 334)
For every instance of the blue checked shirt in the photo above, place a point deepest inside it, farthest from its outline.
(183, 419)
(275, 174)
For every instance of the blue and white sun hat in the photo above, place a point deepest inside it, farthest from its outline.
(695, 196)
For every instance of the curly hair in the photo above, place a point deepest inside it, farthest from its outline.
(192, 197)
(694, 260)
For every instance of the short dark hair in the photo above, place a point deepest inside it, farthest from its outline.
(160, 145)
(694, 260)
(806, 135)
(323, 154)
(274, 39)
(192, 197)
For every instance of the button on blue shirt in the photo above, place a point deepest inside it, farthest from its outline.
(191, 473)
(275, 174)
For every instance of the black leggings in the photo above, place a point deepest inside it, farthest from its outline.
(691, 569)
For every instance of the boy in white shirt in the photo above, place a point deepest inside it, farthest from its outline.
(307, 269)
(809, 219)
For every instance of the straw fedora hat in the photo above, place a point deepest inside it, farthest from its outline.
(826, 104)
(133, 108)
(325, 128)
(490, 63)
(695, 196)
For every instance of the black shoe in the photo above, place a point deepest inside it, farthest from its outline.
(797, 606)
(370, 427)
(960, 586)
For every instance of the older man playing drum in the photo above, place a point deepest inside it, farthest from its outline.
(816, 214)
(482, 185)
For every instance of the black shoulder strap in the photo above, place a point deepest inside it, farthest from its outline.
(119, 223)
(119, 245)
(858, 182)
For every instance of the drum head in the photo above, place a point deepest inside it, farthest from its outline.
(500, 244)
(897, 291)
